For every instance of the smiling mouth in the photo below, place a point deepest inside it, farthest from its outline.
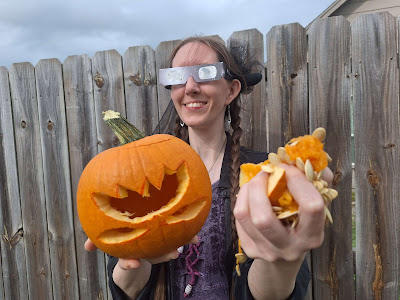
(195, 104)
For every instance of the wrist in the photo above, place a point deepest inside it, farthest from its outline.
(132, 280)
(273, 280)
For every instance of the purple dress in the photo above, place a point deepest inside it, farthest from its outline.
(202, 265)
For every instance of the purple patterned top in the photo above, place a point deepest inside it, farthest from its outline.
(202, 265)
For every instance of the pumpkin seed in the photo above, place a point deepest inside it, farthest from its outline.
(276, 208)
(274, 159)
(238, 270)
(309, 170)
(328, 215)
(333, 193)
(328, 157)
(287, 214)
(295, 222)
(324, 191)
(318, 185)
(268, 168)
(300, 164)
(319, 133)
(241, 257)
(320, 174)
(288, 160)
(324, 183)
(281, 153)
(327, 199)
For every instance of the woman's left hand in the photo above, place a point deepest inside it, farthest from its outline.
(263, 235)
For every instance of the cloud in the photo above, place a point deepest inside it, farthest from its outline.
(34, 30)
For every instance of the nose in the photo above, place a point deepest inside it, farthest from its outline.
(191, 87)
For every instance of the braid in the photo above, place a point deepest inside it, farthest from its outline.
(181, 132)
(235, 164)
(160, 286)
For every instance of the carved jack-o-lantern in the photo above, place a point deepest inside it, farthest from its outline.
(145, 198)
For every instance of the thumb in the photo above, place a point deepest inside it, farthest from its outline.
(128, 264)
(89, 246)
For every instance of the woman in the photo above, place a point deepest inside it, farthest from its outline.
(206, 82)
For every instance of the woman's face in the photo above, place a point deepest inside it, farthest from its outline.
(201, 105)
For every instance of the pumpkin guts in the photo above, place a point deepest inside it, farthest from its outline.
(305, 152)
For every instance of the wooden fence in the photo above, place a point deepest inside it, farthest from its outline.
(51, 126)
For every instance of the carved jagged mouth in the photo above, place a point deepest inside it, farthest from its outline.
(133, 205)
(131, 208)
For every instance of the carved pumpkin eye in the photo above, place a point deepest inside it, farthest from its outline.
(145, 198)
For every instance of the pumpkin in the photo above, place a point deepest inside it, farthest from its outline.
(145, 198)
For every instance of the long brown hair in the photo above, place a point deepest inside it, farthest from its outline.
(237, 70)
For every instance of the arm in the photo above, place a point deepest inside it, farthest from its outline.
(278, 251)
(282, 274)
(242, 290)
(126, 282)
(128, 278)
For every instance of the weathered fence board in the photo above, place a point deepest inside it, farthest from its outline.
(140, 78)
(82, 139)
(286, 84)
(108, 93)
(286, 92)
(248, 45)
(57, 185)
(13, 284)
(30, 175)
(377, 160)
(329, 101)
(163, 52)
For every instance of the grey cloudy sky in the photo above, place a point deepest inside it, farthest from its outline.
(31, 30)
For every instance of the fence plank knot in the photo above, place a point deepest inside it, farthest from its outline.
(14, 239)
(98, 79)
(337, 177)
(136, 79)
(373, 179)
(389, 146)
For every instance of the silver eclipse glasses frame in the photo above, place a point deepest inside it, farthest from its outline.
(200, 73)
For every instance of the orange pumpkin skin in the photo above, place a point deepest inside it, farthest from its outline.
(145, 198)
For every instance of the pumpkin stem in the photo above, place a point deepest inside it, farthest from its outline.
(125, 131)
